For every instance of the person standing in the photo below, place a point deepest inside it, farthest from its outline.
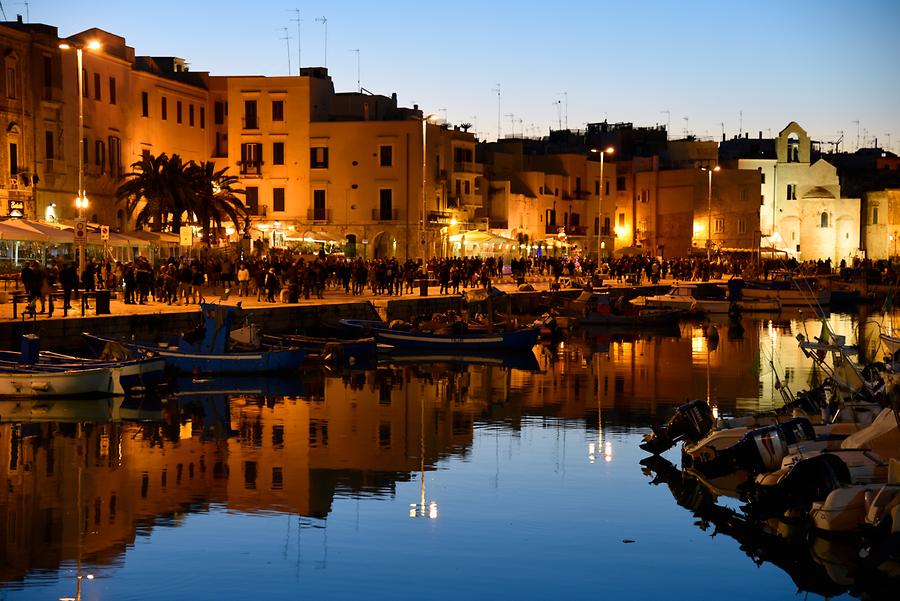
(243, 277)
(68, 279)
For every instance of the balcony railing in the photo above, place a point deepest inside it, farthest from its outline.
(251, 167)
(552, 229)
(468, 167)
(576, 230)
(319, 215)
(386, 215)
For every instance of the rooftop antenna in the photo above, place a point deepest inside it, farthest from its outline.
(857, 133)
(722, 125)
(565, 96)
(558, 104)
(297, 20)
(358, 85)
(27, 15)
(888, 136)
(3, 12)
(512, 126)
(324, 22)
(740, 123)
(287, 41)
(685, 126)
(837, 145)
(668, 115)
(497, 89)
(444, 111)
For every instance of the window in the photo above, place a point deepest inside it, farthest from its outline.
(163, 109)
(84, 151)
(597, 187)
(13, 158)
(719, 226)
(278, 110)
(318, 205)
(278, 199)
(467, 187)
(621, 219)
(115, 157)
(596, 226)
(874, 214)
(620, 183)
(278, 153)
(742, 226)
(792, 191)
(250, 120)
(277, 478)
(384, 435)
(191, 115)
(606, 188)
(252, 197)
(145, 104)
(11, 82)
(100, 155)
(177, 111)
(762, 176)
(386, 155)
(577, 184)
(251, 158)
(824, 219)
(645, 195)
(84, 83)
(48, 144)
(112, 90)
(318, 157)
(606, 228)
(97, 91)
(385, 204)
(202, 117)
(48, 71)
(458, 187)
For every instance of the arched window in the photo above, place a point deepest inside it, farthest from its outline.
(824, 219)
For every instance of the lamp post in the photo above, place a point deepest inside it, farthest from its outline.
(709, 211)
(81, 200)
(424, 172)
(602, 152)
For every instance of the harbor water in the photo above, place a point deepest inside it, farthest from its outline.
(409, 480)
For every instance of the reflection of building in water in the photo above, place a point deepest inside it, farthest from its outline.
(84, 491)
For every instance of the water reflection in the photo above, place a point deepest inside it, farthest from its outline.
(86, 482)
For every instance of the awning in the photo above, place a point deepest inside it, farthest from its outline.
(9, 232)
(630, 251)
(37, 231)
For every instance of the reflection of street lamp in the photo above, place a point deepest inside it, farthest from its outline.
(81, 201)
(602, 152)
(709, 211)
(422, 509)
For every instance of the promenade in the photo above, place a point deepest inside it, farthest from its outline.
(331, 296)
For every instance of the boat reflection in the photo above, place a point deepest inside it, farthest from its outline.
(824, 566)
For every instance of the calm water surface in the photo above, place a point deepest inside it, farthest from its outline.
(402, 482)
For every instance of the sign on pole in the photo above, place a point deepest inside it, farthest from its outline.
(186, 235)
(80, 231)
(104, 232)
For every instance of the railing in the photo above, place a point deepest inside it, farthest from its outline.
(251, 167)
(380, 215)
(581, 194)
(552, 228)
(439, 217)
(468, 167)
(577, 230)
(320, 215)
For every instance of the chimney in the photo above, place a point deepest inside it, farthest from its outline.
(760, 134)
(394, 98)
(747, 135)
(723, 136)
(19, 19)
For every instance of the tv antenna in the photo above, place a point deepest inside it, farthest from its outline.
(565, 96)
(497, 89)
(287, 41)
(558, 104)
(685, 126)
(3, 12)
(27, 15)
(722, 125)
(512, 124)
(668, 115)
(857, 133)
(324, 22)
(297, 20)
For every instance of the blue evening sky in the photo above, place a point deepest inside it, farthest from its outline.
(823, 63)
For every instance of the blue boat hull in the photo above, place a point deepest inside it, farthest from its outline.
(225, 363)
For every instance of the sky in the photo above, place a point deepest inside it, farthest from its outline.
(697, 66)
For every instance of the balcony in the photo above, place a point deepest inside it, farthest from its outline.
(439, 217)
(386, 215)
(51, 94)
(551, 229)
(468, 167)
(252, 168)
(576, 230)
(318, 215)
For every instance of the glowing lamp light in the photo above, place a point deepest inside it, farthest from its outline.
(620, 231)
(698, 227)
(93, 45)
(453, 221)
(82, 202)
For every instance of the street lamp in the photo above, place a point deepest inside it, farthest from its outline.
(424, 171)
(81, 200)
(709, 210)
(602, 152)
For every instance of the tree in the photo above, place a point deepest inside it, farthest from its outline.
(157, 193)
(215, 199)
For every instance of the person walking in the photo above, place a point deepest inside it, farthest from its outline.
(243, 278)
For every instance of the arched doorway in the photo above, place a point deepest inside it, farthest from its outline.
(350, 246)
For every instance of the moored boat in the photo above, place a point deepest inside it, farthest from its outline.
(708, 298)
(469, 340)
(25, 382)
(789, 290)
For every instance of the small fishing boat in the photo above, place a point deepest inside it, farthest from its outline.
(453, 341)
(759, 305)
(208, 349)
(522, 361)
(790, 290)
(324, 347)
(707, 298)
(34, 382)
(598, 309)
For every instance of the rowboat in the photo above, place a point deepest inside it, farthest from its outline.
(789, 290)
(25, 382)
(509, 340)
(207, 349)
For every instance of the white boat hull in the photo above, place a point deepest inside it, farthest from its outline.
(89, 382)
(789, 298)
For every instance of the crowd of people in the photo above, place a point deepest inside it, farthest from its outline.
(286, 277)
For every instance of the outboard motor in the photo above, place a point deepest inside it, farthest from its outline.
(760, 450)
(691, 421)
(806, 481)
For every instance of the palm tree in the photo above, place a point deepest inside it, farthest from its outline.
(157, 192)
(215, 199)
